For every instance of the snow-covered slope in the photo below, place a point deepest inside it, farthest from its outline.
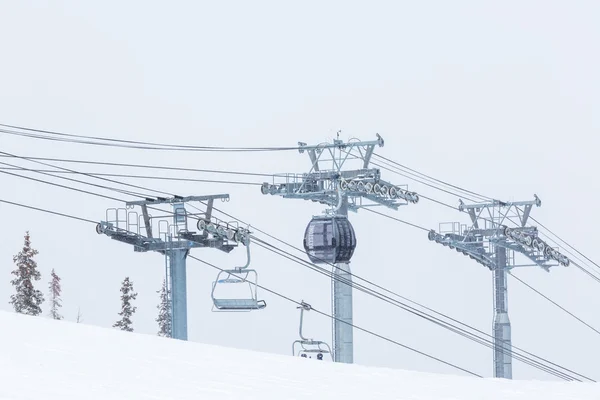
(45, 359)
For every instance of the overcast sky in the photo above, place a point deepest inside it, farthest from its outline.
(501, 99)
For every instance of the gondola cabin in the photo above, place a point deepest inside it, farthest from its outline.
(329, 239)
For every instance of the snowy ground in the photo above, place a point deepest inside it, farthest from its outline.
(45, 359)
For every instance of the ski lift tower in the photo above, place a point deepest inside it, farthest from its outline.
(174, 241)
(491, 243)
(331, 239)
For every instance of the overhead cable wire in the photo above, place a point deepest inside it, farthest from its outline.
(432, 186)
(85, 191)
(596, 278)
(443, 324)
(527, 285)
(462, 332)
(372, 333)
(125, 192)
(421, 181)
(574, 254)
(71, 188)
(136, 194)
(562, 240)
(587, 272)
(132, 144)
(118, 199)
(397, 220)
(553, 302)
(161, 167)
(432, 178)
(262, 287)
(143, 196)
(397, 165)
(395, 171)
(412, 310)
(153, 177)
(48, 211)
(411, 175)
(61, 185)
(573, 258)
(582, 268)
(576, 261)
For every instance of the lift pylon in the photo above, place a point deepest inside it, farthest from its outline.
(490, 242)
(333, 182)
(174, 241)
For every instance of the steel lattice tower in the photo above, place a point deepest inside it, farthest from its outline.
(490, 242)
(174, 241)
(344, 190)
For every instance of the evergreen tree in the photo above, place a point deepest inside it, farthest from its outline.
(164, 312)
(55, 300)
(127, 310)
(27, 300)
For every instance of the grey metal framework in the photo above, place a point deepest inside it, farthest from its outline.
(342, 189)
(174, 241)
(490, 242)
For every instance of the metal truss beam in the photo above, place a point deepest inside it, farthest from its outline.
(175, 241)
(177, 199)
(491, 243)
(339, 144)
(344, 189)
(325, 186)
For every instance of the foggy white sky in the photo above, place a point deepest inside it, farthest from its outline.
(501, 99)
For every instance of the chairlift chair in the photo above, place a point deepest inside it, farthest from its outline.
(306, 345)
(238, 276)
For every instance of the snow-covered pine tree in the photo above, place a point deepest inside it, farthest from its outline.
(164, 312)
(127, 310)
(55, 300)
(27, 300)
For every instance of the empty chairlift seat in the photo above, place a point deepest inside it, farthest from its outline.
(239, 304)
(236, 289)
(304, 346)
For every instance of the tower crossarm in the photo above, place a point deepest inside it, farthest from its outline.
(339, 144)
(339, 152)
(142, 243)
(176, 199)
(325, 179)
(326, 183)
(316, 182)
(139, 242)
(466, 245)
(500, 203)
(531, 254)
(526, 241)
(497, 211)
